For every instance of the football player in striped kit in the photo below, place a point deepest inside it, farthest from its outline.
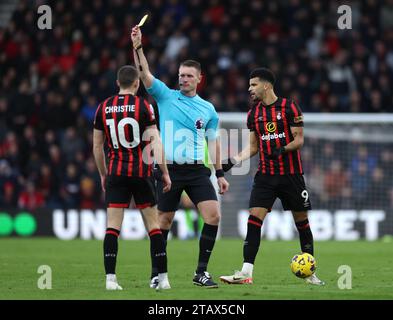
(276, 135)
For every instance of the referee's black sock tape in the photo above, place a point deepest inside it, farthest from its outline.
(206, 244)
(253, 239)
(220, 173)
(228, 166)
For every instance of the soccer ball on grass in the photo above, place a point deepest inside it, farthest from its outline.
(303, 265)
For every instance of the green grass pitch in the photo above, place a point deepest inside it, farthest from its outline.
(77, 270)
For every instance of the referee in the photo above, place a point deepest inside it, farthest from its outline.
(276, 134)
(186, 121)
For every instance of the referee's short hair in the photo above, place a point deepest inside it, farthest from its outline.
(127, 75)
(263, 74)
(192, 63)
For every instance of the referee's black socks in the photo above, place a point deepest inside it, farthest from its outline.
(305, 236)
(206, 244)
(253, 239)
(110, 250)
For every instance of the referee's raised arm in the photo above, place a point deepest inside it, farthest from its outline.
(140, 59)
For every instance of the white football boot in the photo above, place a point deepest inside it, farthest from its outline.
(313, 279)
(163, 285)
(154, 282)
(163, 282)
(111, 282)
(239, 277)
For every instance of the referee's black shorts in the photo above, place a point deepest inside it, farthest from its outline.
(290, 189)
(120, 189)
(194, 179)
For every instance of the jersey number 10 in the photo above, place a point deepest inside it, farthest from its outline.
(121, 132)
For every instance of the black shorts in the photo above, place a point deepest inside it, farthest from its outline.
(291, 189)
(120, 189)
(194, 179)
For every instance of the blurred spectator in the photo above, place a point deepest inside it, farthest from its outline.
(31, 198)
(376, 194)
(386, 13)
(90, 171)
(9, 195)
(48, 184)
(70, 187)
(336, 179)
(316, 185)
(89, 109)
(360, 181)
(8, 185)
(21, 102)
(175, 43)
(87, 190)
(363, 157)
(72, 144)
(390, 194)
(342, 80)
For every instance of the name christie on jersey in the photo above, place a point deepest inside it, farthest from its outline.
(127, 107)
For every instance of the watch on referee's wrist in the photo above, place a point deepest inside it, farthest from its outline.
(220, 173)
(138, 47)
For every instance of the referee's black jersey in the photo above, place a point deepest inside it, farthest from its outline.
(272, 126)
(124, 119)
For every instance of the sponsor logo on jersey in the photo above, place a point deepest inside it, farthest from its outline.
(273, 136)
(271, 127)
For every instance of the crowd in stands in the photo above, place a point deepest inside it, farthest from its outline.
(52, 81)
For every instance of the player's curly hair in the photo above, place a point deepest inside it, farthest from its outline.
(263, 74)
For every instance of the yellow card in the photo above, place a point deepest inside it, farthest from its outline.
(140, 24)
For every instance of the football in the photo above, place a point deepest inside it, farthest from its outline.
(303, 265)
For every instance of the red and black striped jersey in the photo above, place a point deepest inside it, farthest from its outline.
(272, 125)
(124, 119)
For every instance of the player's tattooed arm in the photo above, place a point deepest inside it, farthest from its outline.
(298, 139)
(249, 151)
(140, 59)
